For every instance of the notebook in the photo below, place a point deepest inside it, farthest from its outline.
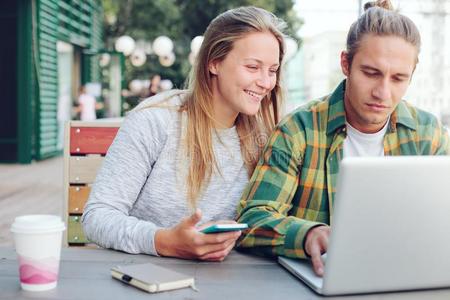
(152, 278)
(389, 230)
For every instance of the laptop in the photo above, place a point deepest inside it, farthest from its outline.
(390, 228)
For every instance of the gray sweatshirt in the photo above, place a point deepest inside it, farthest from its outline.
(141, 186)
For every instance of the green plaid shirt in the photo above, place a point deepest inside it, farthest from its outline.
(293, 186)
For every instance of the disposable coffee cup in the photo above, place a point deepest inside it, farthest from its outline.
(38, 245)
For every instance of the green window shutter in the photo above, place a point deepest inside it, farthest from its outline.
(47, 125)
(73, 21)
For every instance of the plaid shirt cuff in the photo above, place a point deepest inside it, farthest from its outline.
(294, 241)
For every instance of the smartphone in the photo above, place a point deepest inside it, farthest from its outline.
(224, 228)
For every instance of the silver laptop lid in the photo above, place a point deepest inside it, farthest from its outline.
(391, 225)
(302, 268)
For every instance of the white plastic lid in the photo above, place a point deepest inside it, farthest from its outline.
(37, 224)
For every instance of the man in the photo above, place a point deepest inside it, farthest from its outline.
(288, 203)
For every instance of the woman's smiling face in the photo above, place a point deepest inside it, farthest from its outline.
(246, 75)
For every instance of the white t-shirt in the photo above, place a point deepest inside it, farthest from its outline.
(87, 107)
(358, 143)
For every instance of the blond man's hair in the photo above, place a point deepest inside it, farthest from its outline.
(380, 19)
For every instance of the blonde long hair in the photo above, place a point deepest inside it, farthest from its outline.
(218, 41)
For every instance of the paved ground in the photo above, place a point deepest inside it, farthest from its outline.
(29, 189)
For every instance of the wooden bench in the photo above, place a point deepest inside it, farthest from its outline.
(86, 144)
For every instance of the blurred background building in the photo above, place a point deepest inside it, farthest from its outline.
(430, 88)
(321, 68)
(126, 50)
(115, 48)
(42, 65)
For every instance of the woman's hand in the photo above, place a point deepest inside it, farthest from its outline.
(186, 241)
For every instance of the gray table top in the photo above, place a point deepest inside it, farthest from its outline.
(84, 274)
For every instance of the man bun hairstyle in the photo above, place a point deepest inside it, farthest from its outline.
(386, 4)
(381, 19)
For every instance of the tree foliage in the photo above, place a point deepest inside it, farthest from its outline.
(181, 20)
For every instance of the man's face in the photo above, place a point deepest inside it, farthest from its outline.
(377, 80)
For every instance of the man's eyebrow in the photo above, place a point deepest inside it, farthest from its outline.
(370, 68)
(402, 75)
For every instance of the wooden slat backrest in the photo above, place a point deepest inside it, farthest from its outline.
(86, 143)
(91, 140)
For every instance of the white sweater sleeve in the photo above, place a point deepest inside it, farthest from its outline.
(128, 163)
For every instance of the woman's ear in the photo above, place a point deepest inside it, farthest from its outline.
(213, 67)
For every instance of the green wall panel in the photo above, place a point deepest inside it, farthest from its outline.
(9, 114)
(75, 22)
(47, 26)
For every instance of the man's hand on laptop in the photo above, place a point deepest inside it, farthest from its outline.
(316, 244)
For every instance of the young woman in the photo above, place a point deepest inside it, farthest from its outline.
(183, 158)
